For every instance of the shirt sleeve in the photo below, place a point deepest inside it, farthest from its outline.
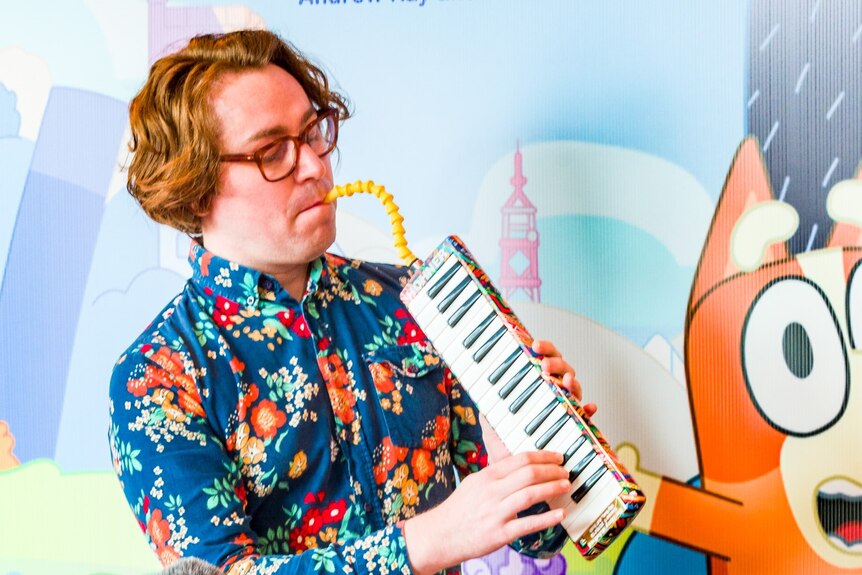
(469, 455)
(186, 492)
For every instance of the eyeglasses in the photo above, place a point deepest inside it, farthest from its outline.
(277, 159)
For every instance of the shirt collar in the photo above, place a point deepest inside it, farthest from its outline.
(247, 286)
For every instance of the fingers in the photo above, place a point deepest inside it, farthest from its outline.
(545, 347)
(521, 526)
(509, 465)
(534, 485)
(572, 385)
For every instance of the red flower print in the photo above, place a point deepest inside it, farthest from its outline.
(334, 512)
(300, 328)
(412, 334)
(243, 539)
(236, 366)
(158, 528)
(423, 465)
(137, 387)
(167, 555)
(312, 522)
(286, 317)
(474, 456)
(170, 361)
(190, 403)
(390, 455)
(297, 540)
(342, 400)
(401, 313)
(323, 344)
(266, 418)
(206, 257)
(223, 310)
(332, 369)
(241, 494)
(441, 433)
(146, 349)
(312, 497)
(246, 400)
(382, 376)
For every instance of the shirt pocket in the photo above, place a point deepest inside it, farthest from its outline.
(412, 391)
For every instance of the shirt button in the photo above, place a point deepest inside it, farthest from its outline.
(368, 507)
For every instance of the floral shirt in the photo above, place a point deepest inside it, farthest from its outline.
(267, 435)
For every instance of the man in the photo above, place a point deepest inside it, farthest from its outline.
(283, 414)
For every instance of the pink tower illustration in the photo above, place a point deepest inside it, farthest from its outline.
(519, 241)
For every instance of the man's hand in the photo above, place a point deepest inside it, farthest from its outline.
(481, 515)
(554, 364)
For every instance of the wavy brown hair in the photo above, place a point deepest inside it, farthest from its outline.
(175, 165)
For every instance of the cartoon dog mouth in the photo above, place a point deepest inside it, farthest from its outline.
(839, 507)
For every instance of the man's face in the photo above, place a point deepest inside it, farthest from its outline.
(276, 227)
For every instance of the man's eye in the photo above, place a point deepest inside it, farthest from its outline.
(275, 152)
(314, 135)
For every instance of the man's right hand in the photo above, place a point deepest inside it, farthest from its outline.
(481, 515)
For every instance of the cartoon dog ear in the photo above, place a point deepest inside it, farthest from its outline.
(844, 205)
(746, 186)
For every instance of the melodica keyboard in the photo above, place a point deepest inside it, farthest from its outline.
(488, 350)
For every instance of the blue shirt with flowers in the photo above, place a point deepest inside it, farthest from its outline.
(269, 435)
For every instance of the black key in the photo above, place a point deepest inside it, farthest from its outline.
(461, 311)
(498, 373)
(552, 431)
(522, 399)
(474, 335)
(435, 289)
(579, 468)
(513, 383)
(539, 419)
(588, 484)
(447, 301)
(573, 448)
(483, 351)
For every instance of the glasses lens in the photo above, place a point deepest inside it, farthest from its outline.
(321, 135)
(277, 159)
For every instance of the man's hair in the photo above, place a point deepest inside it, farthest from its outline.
(191, 566)
(175, 166)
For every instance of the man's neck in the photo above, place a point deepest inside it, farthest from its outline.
(294, 282)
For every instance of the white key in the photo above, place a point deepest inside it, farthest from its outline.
(492, 331)
(501, 412)
(579, 517)
(454, 336)
(435, 320)
(557, 417)
(476, 376)
(537, 402)
(565, 438)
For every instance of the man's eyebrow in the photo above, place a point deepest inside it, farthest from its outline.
(280, 130)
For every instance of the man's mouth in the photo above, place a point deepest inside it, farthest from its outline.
(839, 507)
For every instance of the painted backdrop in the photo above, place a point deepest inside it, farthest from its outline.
(686, 175)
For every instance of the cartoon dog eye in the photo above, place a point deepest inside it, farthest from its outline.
(854, 306)
(794, 359)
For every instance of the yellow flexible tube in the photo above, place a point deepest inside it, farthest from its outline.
(369, 187)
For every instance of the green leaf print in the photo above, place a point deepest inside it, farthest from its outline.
(323, 559)
(221, 493)
(279, 327)
(248, 287)
(129, 458)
